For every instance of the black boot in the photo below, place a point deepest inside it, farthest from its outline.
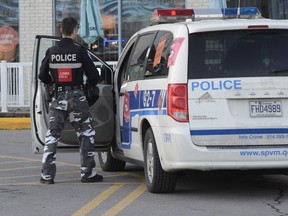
(96, 178)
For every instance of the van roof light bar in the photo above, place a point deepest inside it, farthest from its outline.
(180, 15)
(245, 13)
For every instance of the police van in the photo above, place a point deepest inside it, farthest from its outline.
(203, 89)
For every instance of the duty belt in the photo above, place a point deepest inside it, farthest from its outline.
(68, 88)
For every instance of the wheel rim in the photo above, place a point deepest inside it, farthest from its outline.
(104, 157)
(150, 160)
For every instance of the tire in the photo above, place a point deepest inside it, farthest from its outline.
(109, 163)
(157, 180)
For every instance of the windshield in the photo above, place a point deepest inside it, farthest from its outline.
(238, 53)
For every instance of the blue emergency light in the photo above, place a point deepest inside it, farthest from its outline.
(248, 12)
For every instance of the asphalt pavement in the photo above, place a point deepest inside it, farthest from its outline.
(22, 194)
(124, 193)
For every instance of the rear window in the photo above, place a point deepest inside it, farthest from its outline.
(245, 53)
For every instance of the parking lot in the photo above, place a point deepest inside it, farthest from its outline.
(125, 193)
(22, 194)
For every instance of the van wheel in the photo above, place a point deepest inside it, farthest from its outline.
(109, 163)
(157, 180)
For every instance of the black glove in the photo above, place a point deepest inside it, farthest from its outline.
(92, 94)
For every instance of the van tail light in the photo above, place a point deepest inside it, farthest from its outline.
(258, 26)
(178, 102)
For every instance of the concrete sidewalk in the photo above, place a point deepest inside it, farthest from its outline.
(14, 123)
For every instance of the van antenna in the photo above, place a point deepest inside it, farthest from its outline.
(238, 10)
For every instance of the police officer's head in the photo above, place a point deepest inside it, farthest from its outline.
(69, 27)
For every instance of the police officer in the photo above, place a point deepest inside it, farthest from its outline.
(64, 65)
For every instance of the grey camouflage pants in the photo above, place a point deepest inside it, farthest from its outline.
(70, 105)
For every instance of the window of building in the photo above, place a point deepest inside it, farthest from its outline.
(9, 30)
(134, 16)
(276, 9)
(279, 9)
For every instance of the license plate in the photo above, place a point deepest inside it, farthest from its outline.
(265, 108)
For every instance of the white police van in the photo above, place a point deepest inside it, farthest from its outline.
(208, 93)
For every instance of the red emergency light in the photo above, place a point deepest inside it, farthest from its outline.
(171, 15)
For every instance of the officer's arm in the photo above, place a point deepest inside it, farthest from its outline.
(44, 75)
(90, 69)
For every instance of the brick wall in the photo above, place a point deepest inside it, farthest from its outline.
(35, 17)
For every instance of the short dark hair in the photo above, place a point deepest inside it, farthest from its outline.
(68, 25)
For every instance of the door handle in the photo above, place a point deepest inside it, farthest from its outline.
(121, 94)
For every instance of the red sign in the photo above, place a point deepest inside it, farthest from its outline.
(65, 75)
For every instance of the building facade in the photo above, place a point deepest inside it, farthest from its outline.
(37, 17)
(41, 17)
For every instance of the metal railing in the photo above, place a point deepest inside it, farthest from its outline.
(15, 85)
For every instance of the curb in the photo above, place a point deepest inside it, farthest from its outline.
(15, 123)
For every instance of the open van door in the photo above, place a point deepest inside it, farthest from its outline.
(101, 110)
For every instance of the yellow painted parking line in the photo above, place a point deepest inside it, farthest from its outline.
(140, 176)
(19, 168)
(23, 168)
(69, 181)
(19, 158)
(126, 201)
(35, 175)
(20, 183)
(97, 200)
(37, 160)
(13, 123)
(15, 162)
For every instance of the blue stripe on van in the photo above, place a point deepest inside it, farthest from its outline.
(153, 112)
(239, 131)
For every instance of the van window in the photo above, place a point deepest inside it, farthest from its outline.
(241, 53)
(135, 68)
(159, 53)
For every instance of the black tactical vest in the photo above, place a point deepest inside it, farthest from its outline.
(65, 64)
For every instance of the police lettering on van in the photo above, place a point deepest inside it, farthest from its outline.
(216, 85)
(193, 95)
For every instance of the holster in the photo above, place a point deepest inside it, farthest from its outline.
(54, 92)
(49, 92)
